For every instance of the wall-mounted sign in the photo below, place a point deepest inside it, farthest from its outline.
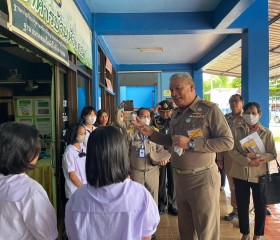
(108, 65)
(52, 27)
(167, 93)
(24, 107)
(109, 84)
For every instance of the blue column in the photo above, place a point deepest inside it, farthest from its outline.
(95, 75)
(255, 59)
(198, 80)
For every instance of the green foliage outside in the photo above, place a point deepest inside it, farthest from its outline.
(274, 90)
(228, 82)
(219, 82)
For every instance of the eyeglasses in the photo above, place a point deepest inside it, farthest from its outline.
(235, 100)
(82, 154)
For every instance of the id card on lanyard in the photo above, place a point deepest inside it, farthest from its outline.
(142, 152)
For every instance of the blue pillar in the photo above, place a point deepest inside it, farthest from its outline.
(255, 59)
(95, 75)
(198, 80)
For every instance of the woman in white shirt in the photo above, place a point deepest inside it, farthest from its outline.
(74, 160)
(110, 206)
(25, 210)
(88, 119)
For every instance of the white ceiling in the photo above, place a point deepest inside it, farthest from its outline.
(177, 48)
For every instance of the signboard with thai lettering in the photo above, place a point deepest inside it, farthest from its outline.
(52, 26)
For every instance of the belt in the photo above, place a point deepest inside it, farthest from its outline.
(194, 171)
(144, 170)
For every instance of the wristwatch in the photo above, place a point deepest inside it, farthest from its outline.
(191, 145)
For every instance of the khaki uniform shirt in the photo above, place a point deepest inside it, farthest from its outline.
(239, 168)
(200, 117)
(136, 142)
(232, 121)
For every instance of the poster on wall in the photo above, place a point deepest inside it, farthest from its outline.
(42, 107)
(109, 84)
(108, 65)
(24, 107)
(25, 120)
(53, 26)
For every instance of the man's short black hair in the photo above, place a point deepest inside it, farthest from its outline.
(236, 96)
(138, 112)
(19, 145)
(107, 159)
(252, 104)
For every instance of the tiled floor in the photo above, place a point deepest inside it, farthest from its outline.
(168, 227)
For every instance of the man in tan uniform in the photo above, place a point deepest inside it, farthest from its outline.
(197, 131)
(236, 103)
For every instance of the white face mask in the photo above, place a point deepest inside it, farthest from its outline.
(251, 119)
(91, 120)
(146, 121)
(80, 138)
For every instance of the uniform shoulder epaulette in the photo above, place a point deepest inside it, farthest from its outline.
(130, 130)
(207, 103)
(156, 129)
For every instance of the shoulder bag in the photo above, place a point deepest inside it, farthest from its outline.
(269, 185)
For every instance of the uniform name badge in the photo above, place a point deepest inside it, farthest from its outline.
(141, 152)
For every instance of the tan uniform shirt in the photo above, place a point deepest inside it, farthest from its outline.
(232, 121)
(216, 135)
(240, 167)
(136, 142)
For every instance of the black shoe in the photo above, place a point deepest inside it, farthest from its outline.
(268, 211)
(154, 237)
(161, 211)
(231, 216)
(173, 211)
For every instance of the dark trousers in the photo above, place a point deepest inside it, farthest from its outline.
(223, 176)
(169, 197)
(242, 192)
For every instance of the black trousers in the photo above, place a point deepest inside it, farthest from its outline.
(169, 197)
(223, 176)
(242, 192)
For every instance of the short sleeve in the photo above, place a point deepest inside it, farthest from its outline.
(69, 161)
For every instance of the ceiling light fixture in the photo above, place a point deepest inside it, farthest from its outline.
(152, 49)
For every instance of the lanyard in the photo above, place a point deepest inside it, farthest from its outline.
(143, 139)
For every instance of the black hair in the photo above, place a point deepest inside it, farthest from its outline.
(19, 145)
(73, 132)
(236, 95)
(107, 159)
(252, 104)
(141, 109)
(86, 111)
(99, 113)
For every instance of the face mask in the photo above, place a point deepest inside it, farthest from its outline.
(146, 121)
(91, 120)
(251, 119)
(80, 138)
